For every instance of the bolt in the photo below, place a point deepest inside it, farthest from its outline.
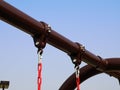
(74, 60)
(49, 28)
(36, 43)
(82, 48)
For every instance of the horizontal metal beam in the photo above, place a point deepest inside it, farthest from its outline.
(33, 27)
(18, 19)
(112, 64)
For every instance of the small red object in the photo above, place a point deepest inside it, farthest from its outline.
(78, 82)
(39, 75)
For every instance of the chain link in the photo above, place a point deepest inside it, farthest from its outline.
(77, 73)
(39, 69)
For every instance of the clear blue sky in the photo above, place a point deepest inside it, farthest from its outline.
(93, 23)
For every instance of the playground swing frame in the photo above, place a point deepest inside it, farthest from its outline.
(96, 64)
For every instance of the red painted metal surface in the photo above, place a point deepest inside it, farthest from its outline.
(89, 71)
(31, 26)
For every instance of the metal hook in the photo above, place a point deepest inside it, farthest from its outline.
(77, 71)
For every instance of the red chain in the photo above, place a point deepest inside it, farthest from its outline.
(39, 69)
(77, 77)
(39, 76)
(78, 82)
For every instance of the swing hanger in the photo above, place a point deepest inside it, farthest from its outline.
(40, 42)
(77, 57)
(40, 39)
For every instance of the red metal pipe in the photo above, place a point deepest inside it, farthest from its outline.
(18, 19)
(112, 64)
(31, 26)
(85, 73)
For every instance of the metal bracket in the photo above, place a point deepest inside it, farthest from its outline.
(40, 39)
(77, 57)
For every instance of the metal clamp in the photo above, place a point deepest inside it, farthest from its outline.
(40, 39)
(47, 27)
(77, 57)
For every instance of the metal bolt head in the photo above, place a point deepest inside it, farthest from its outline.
(36, 43)
(74, 60)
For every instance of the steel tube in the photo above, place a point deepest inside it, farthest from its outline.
(85, 73)
(18, 19)
(31, 26)
(112, 64)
